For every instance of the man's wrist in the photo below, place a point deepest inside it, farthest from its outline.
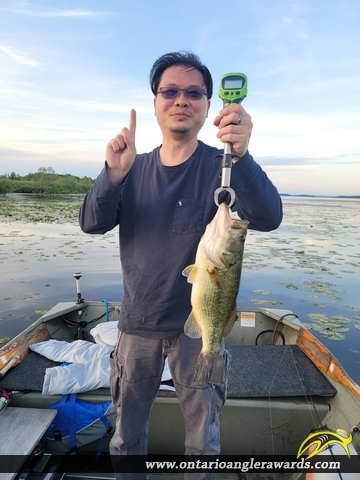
(115, 176)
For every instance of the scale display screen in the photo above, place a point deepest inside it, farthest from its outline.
(232, 83)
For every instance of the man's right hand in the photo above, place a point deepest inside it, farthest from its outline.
(121, 152)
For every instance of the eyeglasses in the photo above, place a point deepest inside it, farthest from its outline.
(192, 93)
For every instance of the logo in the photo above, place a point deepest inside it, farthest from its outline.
(318, 441)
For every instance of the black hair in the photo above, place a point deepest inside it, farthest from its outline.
(182, 58)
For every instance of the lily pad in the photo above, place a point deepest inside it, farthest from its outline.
(262, 292)
(318, 305)
(4, 339)
(340, 319)
(291, 286)
(313, 326)
(334, 327)
(319, 316)
(331, 335)
(273, 303)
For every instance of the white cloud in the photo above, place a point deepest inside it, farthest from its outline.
(36, 11)
(19, 57)
(300, 59)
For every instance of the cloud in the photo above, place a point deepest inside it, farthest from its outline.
(299, 162)
(19, 57)
(54, 12)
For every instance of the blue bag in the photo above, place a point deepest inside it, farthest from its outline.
(79, 423)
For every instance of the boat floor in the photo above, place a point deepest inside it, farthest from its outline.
(281, 371)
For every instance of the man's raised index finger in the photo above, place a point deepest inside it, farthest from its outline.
(132, 122)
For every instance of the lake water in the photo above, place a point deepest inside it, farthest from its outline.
(310, 265)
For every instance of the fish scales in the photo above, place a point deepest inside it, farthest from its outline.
(215, 279)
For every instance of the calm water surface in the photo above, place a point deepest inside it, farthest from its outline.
(310, 265)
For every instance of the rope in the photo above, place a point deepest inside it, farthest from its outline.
(106, 309)
(4, 399)
(303, 386)
(312, 407)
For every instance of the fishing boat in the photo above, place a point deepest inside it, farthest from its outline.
(282, 384)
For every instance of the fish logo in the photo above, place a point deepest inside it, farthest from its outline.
(318, 441)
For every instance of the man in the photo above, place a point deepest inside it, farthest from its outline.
(163, 201)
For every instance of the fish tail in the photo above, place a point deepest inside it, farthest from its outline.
(209, 369)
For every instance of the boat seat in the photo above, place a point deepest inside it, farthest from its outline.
(22, 429)
(274, 371)
(256, 372)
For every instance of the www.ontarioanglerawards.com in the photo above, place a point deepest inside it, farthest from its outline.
(241, 466)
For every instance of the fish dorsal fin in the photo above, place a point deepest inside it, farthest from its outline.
(191, 328)
(230, 322)
(191, 272)
(215, 277)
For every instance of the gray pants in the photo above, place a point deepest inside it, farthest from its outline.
(136, 369)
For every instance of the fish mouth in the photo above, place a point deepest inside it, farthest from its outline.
(220, 235)
(225, 225)
(224, 222)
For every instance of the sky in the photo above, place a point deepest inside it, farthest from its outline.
(70, 71)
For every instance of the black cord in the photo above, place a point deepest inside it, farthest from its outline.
(82, 324)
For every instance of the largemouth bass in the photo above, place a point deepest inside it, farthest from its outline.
(215, 279)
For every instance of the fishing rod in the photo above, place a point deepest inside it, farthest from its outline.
(233, 89)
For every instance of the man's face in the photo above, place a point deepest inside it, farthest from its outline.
(181, 117)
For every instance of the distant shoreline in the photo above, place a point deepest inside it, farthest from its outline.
(320, 196)
(287, 195)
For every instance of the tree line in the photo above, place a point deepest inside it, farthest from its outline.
(44, 181)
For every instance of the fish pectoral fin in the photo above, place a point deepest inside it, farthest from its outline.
(191, 328)
(215, 277)
(191, 272)
(230, 323)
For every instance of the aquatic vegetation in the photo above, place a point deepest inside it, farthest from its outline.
(291, 286)
(37, 209)
(332, 328)
(41, 246)
(340, 319)
(322, 288)
(272, 303)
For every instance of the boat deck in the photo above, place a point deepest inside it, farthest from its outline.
(257, 372)
(27, 424)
